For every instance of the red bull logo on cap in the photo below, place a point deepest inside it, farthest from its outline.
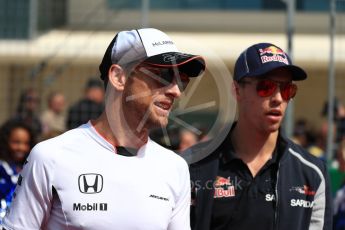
(271, 50)
(273, 53)
(223, 188)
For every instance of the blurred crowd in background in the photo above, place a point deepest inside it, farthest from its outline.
(29, 126)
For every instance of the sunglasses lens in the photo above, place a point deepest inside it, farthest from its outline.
(288, 91)
(165, 77)
(266, 88)
(169, 75)
(182, 82)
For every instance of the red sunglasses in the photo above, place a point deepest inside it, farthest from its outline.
(266, 88)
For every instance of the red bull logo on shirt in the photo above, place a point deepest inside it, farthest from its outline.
(273, 53)
(223, 188)
(306, 190)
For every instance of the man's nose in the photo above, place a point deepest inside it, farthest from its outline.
(173, 89)
(277, 95)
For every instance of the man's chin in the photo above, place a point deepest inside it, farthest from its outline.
(159, 122)
(273, 128)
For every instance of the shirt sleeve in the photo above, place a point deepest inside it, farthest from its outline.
(181, 217)
(328, 219)
(322, 214)
(32, 198)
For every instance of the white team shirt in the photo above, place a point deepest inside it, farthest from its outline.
(99, 189)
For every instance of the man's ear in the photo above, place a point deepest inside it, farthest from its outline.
(117, 77)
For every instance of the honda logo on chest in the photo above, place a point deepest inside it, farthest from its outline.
(90, 183)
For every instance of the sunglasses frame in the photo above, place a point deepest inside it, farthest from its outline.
(283, 86)
(165, 77)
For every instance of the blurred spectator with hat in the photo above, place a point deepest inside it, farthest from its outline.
(89, 107)
(29, 102)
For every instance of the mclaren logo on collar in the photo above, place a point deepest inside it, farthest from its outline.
(90, 183)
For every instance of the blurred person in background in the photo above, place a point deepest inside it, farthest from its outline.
(29, 102)
(187, 138)
(339, 207)
(54, 118)
(300, 133)
(89, 107)
(340, 136)
(318, 146)
(341, 155)
(338, 132)
(168, 138)
(339, 200)
(341, 124)
(16, 141)
(338, 119)
(314, 142)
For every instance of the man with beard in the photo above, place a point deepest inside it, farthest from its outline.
(108, 173)
(257, 178)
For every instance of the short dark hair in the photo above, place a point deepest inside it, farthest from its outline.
(105, 83)
(93, 83)
(5, 132)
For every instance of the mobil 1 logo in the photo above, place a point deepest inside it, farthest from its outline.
(90, 207)
(90, 183)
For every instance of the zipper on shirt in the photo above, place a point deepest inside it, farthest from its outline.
(276, 191)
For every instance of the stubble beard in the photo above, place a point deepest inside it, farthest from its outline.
(141, 117)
